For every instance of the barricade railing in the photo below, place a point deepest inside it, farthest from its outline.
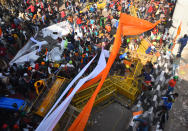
(49, 98)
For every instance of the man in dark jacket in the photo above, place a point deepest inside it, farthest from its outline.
(183, 43)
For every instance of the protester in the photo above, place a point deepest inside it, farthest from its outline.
(172, 84)
(168, 101)
(143, 125)
(183, 43)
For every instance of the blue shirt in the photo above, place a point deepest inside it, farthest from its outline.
(147, 76)
(117, 23)
(92, 21)
(167, 104)
(129, 5)
(149, 50)
(183, 41)
(123, 56)
(92, 9)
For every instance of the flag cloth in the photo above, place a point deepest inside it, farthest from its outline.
(49, 123)
(178, 33)
(133, 26)
(179, 30)
(128, 25)
(65, 92)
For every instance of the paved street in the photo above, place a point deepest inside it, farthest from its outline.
(113, 117)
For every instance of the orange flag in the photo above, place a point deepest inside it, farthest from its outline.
(133, 26)
(136, 27)
(178, 33)
(179, 29)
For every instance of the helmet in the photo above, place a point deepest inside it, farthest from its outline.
(70, 62)
(29, 68)
(175, 77)
(128, 40)
(42, 63)
(56, 65)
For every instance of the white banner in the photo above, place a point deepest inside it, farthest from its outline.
(67, 89)
(57, 30)
(54, 117)
(38, 43)
(23, 51)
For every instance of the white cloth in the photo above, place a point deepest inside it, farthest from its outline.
(23, 51)
(54, 117)
(55, 54)
(38, 43)
(32, 57)
(62, 29)
(106, 53)
(64, 93)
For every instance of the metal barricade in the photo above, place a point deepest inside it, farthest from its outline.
(133, 11)
(50, 97)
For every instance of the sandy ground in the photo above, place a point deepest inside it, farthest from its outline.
(178, 117)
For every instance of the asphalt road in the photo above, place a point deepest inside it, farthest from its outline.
(113, 117)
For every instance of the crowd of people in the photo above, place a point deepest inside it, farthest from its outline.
(97, 26)
(158, 95)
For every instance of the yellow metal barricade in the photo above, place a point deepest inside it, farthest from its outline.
(143, 46)
(133, 11)
(125, 86)
(138, 69)
(50, 98)
(82, 97)
(141, 53)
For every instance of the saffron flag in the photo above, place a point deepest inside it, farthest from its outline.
(128, 25)
(179, 30)
(178, 33)
(133, 26)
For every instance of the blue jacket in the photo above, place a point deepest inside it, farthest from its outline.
(167, 104)
(149, 50)
(147, 76)
(183, 41)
